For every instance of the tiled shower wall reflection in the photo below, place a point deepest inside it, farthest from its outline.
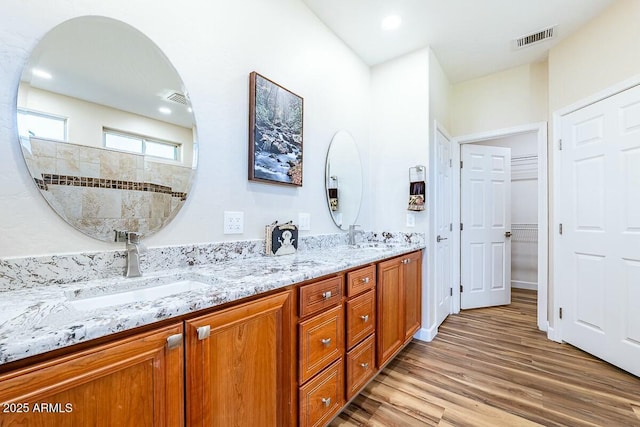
(96, 188)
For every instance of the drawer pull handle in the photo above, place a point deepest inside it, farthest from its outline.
(326, 295)
(406, 261)
(204, 332)
(326, 401)
(174, 341)
(326, 341)
(365, 280)
(365, 318)
(364, 365)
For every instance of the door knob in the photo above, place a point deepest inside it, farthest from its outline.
(507, 234)
(439, 239)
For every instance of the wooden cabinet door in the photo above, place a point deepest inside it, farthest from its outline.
(390, 320)
(136, 381)
(240, 370)
(412, 281)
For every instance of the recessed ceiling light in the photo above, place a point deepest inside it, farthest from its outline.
(41, 73)
(164, 110)
(391, 22)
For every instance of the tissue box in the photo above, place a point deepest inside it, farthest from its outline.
(281, 239)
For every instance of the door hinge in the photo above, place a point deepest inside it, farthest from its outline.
(560, 228)
(450, 226)
(560, 144)
(450, 163)
(560, 312)
(461, 226)
(460, 164)
(461, 288)
(450, 292)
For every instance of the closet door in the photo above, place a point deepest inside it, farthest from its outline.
(486, 220)
(598, 253)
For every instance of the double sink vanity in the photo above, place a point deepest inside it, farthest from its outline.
(270, 341)
(210, 334)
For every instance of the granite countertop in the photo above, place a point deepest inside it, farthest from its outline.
(37, 320)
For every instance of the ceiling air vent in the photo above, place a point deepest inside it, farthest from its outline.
(177, 97)
(534, 38)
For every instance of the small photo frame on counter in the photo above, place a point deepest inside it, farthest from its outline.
(281, 239)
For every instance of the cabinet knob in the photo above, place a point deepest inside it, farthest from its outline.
(326, 341)
(365, 280)
(406, 261)
(204, 332)
(326, 295)
(326, 401)
(364, 365)
(365, 318)
(174, 341)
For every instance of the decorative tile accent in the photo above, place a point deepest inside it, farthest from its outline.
(41, 184)
(83, 181)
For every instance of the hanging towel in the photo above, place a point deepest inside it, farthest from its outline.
(333, 199)
(417, 195)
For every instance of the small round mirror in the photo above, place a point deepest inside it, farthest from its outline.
(343, 180)
(106, 128)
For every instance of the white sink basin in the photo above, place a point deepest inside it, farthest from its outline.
(135, 295)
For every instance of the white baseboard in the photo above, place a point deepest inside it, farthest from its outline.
(521, 284)
(426, 335)
(551, 334)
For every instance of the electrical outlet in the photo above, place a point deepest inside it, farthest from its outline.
(411, 219)
(304, 221)
(233, 222)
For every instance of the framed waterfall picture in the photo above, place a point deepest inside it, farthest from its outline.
(275, 133)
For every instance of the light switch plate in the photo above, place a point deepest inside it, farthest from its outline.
(304, 221)
(411, 219)
(233, 222)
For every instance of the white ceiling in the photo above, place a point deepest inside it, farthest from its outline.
(470, 38)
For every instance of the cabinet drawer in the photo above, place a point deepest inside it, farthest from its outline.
(361, 317)
(322, 398)
(321, 342)
(360, 366)
(320, 295)
(361, 280)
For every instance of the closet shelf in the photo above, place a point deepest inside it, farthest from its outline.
(522, 232)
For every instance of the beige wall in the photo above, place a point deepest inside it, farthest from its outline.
(399, 136)
(604, 52)
(512, 97)
(439, 95)
(213, 46)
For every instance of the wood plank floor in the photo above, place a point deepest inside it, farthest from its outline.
(492, 367)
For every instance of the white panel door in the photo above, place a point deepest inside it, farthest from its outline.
(443, 220)
(486, 218)
(598, 256)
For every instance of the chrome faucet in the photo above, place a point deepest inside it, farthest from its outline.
(353, 233)
(134, 249)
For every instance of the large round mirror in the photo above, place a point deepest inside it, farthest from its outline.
(343, 180)
(106, 128)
